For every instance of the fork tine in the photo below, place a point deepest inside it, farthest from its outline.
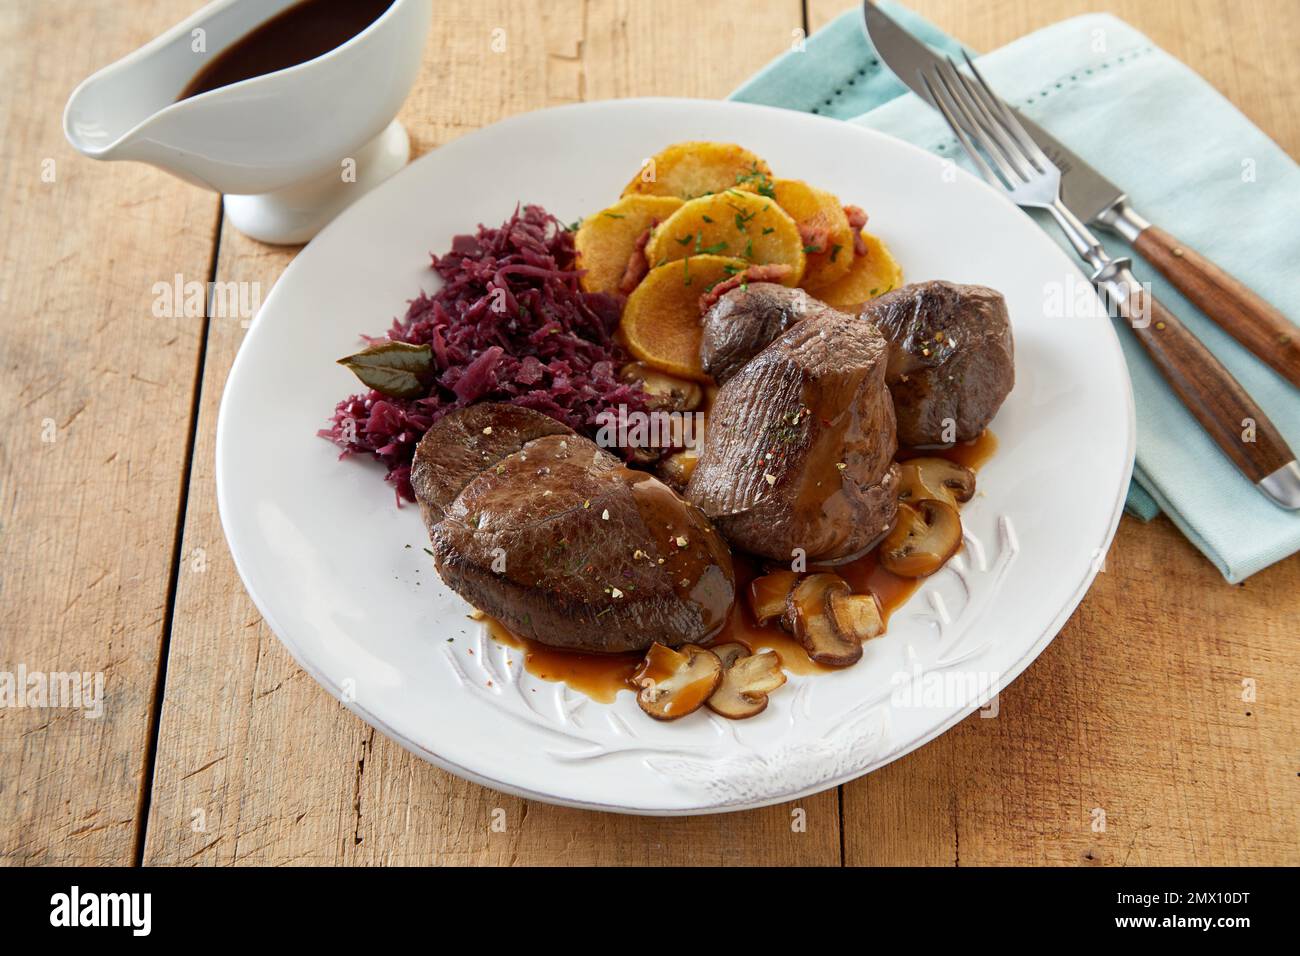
(991, 124)
(1009, 120)
(985, 169)
(980, 129)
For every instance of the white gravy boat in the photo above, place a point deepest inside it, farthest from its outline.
(288, 149)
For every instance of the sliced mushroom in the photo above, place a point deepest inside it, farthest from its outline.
(855, 616)
(925, 535)
(677, 468)
(747, 679)
(769, 594)
(935, 478)
(809, 611)
(675, 683)
(666, 392)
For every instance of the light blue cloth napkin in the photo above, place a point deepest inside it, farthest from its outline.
(1190, 162)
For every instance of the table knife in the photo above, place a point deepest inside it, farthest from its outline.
(1236, 309)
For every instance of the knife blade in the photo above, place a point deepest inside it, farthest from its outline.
(1084, 190)
(1252, 321)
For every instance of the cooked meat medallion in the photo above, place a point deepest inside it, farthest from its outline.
(743, 322)
(563, 543)
(800, 445)
(951, 358)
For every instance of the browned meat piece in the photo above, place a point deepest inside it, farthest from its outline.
(815, 236)
(772, 272)
(800, 445)
(951, 358)
(743, 322)
(565, 545)
(462, 444)
(637, 266)
(857, 217)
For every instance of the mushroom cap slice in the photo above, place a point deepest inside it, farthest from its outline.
(675, 683)
(925, 535)
(809, 612)
(855, 616)
(935, 478)
(747, 679)
(768, 595)
(664, 392)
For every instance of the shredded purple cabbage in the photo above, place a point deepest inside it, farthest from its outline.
(510, 324)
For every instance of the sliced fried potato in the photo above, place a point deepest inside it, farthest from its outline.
(871, 275)
(823, 227)
(687, 170)
(733, 223)
(661, 321)
(606, 240)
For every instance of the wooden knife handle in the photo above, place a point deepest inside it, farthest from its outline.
(1209, 391)
(1238, 311)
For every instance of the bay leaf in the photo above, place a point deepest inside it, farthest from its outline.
(396, 369)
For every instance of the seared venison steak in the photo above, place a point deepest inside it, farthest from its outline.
(744, 321)
(463, 443)
(800, 445)
(951, 359)
(565, 545)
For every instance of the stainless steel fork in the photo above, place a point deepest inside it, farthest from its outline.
(1010, 160)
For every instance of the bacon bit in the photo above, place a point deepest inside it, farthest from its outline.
(857, 220)
(814, 236)
(637, 266)
(773, 272)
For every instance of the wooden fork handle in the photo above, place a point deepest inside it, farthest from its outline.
(1240, 312)
(1211, 394)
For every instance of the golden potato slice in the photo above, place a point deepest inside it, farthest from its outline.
(661, 321)
(871, 275)
(818, 212)
(688, 170)
(606, 240)
(733, 223)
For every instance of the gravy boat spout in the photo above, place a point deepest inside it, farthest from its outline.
(289, 149)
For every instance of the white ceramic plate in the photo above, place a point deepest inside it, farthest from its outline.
(323, 551)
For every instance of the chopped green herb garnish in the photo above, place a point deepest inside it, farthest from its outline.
(835, 251)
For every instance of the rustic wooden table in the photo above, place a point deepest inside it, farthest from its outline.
(216, 748)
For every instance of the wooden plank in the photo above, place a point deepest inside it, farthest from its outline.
(1136, 709)
(97, 393)
(1231, 43)
(249, 746)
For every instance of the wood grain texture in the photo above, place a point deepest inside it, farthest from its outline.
(276, 771)
(97, 394)
(1216, 400)
(1248, 318)
(1136, 708)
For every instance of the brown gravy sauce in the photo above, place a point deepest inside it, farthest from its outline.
(602, 676)
(299, 33)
